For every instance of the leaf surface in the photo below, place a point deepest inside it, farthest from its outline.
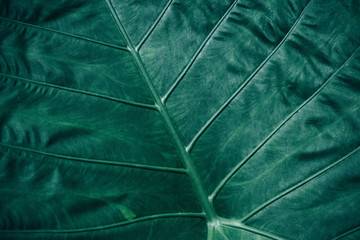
(217, 120)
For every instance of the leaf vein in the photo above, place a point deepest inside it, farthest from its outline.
(96, 161)
(197, 53)
(231, 224)
(128, 102)
(351, 231)
(114, 225)
(300, 184)
(184, 155)
(247, 81)
(153, 26)
(257, 148)
(122, 48)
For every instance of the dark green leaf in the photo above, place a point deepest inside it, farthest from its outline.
(179, 119)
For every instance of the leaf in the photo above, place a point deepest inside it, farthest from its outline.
(217, 120)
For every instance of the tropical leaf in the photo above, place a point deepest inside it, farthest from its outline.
(169, 119)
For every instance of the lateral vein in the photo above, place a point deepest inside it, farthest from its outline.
(197, 53)
(96, 161)
(128, 102)
(258, 147)
(148, 33)
(293, 188)
(115, 225)
(65, 34)
(247, 81)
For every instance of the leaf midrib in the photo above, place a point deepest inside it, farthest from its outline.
(209, 212)
(183, 154)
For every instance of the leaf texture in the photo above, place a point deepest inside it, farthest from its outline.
(178, 119)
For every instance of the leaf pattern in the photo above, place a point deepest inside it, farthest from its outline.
(179, 119)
